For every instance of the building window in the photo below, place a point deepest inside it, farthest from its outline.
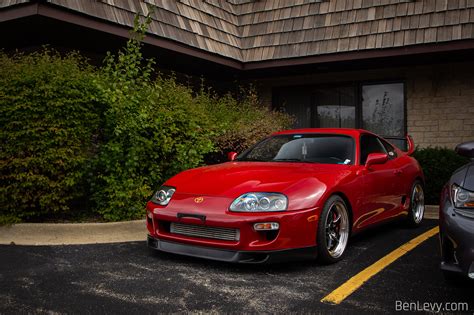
(377, 107)
(335, 107)
(383, 109)
(297, 102)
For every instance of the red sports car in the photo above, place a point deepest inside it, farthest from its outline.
(297, 194)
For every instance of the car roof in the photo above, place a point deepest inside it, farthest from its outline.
(340, 131)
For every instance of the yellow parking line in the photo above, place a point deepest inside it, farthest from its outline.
(346, 289)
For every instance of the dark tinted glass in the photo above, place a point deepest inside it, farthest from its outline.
(381, 110)
(318, 107)
(335, 107)
(330, 149)
(369, 144)
(399, 142)
(390, 150)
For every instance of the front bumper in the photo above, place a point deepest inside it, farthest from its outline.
(248, 257)
(208, 230)
(456, 240)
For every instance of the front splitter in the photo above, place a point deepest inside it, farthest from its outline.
(245, 257)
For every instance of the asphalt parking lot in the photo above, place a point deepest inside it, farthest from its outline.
(124, 277)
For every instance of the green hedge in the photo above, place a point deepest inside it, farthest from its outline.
(77, 139)
(438, 164)
(49, 117)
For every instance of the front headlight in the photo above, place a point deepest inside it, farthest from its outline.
(163, 195)
(259, 202)
(462, 198)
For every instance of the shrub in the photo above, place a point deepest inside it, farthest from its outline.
(438, 164)
(49, 118)
(153, 130)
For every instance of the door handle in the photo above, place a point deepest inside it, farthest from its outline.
(398, 172)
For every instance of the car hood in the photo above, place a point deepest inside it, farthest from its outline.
(232, 179)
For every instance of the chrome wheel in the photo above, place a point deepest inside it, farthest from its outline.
(337, 229)
(417, 203)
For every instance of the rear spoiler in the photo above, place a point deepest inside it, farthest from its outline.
(406, 144)
(410, 145)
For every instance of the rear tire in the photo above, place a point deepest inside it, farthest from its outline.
(333, 230)
(417, 205)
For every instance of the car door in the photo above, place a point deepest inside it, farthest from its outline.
(400, 187)
(380, 196)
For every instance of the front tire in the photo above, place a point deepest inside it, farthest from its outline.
(417, 205)
(333, 230)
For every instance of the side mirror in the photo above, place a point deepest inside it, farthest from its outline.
(465, 149)
(376, 158)
(231, 156)
(411, 145)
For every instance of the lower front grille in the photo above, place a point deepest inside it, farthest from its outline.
(202, 231)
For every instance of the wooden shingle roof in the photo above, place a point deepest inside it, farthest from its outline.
(259, 30)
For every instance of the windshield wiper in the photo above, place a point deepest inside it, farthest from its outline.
(287, 160)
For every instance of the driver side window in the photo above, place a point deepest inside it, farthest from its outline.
(369, 144)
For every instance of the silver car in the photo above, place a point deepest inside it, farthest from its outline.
(456, 219)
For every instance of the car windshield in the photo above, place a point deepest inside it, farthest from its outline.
(312, 148)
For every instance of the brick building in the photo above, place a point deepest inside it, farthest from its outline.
(390, 66)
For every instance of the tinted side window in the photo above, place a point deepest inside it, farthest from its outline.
(390, 150)
(369, 144)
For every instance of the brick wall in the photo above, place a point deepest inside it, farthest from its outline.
(440, 98)
(440, 104)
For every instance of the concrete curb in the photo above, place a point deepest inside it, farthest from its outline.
(72, 233)
(431, 212)
(91, 233)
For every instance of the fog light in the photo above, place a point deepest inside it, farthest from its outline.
(266, 226)
(150, 215)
